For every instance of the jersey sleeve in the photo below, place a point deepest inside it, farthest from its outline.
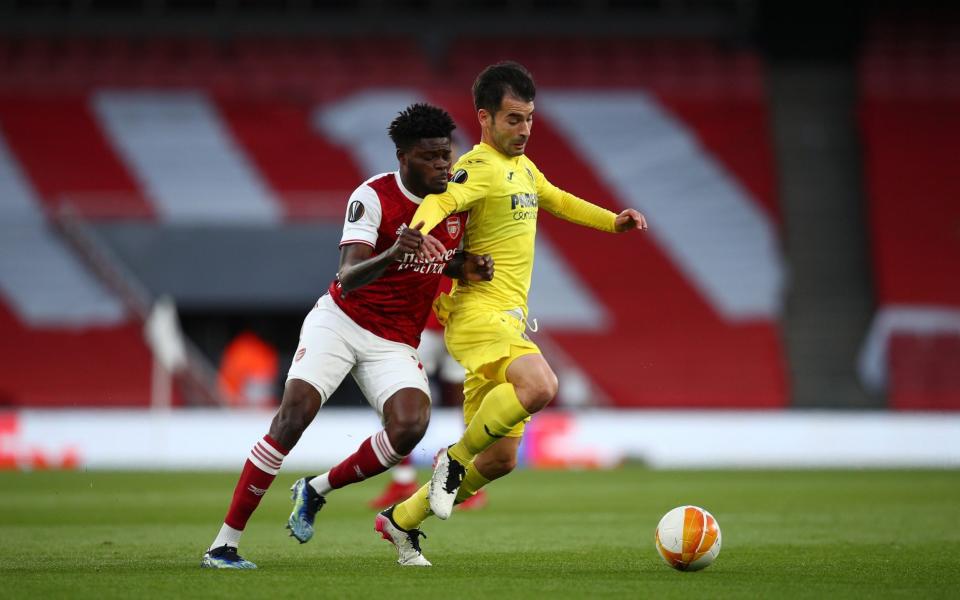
(571, 208)
(362, 221)
(471, 182)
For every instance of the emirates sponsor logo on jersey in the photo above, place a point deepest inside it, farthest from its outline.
(453, 226)
(299, 354)
(411, 262)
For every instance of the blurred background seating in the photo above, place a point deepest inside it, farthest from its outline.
(803, 195)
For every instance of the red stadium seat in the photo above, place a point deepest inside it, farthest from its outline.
(910, 90)
(264, 94)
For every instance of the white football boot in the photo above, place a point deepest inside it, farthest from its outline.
(407, 542)
(444, 484)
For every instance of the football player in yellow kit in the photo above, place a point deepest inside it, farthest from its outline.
(507, 378)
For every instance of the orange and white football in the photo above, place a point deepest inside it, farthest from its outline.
(688, 538)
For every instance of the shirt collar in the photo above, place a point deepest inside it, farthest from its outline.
(410, 195)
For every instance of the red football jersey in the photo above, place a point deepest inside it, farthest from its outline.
(397, 304)
(446, 284)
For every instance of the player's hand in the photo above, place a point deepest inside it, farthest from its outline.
(431, 249)
(408, 242)
(477, 267)
(628, 220)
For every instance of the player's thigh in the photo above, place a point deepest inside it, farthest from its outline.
(326, 352)
(486, 342)
(383, 368)
(530, 371)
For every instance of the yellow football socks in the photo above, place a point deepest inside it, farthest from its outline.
(500, 412)
(472, 481)
(410, 513)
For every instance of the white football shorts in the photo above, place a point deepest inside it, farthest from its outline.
(332, 345)
(437, 362)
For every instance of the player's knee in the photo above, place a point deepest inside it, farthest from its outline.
(534, 381)
(537, 392)
(405, 431)
(406, 418)
(551, 386)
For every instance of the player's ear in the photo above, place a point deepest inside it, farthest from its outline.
(483, 115)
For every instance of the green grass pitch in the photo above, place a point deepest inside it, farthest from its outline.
(786, 534)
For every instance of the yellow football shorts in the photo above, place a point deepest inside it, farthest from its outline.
(485, 342)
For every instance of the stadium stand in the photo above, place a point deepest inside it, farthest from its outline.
(245, 68)
(62, 149)
(910, 89)
(186, 132)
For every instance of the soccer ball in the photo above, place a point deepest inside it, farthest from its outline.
(688, 538)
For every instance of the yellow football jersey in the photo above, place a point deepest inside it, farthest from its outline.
(503, 196)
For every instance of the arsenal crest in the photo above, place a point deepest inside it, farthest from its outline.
(453, 225)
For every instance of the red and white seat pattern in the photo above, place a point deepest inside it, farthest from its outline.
(686, 316)
(910, 118)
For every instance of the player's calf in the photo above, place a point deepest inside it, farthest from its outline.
(300, 404)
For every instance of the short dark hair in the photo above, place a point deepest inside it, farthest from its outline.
(496, 81)
(417, 122)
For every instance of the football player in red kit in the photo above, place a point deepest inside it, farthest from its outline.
(368, 324)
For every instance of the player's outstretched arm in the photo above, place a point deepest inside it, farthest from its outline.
(629, 220)
(358, 266)
(470, 267)
(577, 210)
(431, 211)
